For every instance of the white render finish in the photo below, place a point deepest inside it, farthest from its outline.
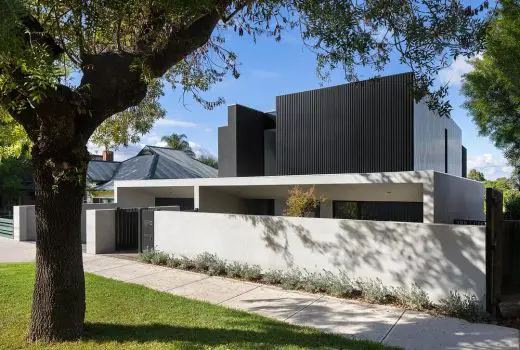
(225, 195)
(89, 206)
(458, 198)
(24, 223)
(428, 132)
(24, 220)
(101, 231)
(439, 258)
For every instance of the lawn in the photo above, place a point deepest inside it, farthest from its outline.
(126, 316)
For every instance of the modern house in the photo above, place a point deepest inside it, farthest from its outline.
(368, 147)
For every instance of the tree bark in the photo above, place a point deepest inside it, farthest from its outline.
(58, 308)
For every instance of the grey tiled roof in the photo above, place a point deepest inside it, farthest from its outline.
(100, 171)
(173, 164)
(159, 163)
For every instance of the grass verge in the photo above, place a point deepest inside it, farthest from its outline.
(127, 316)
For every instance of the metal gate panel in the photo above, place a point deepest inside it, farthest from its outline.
(127, 229)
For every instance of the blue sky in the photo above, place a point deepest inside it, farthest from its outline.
(269, 69)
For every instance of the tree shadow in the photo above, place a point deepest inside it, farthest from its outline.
(275, 235)
(269, 334)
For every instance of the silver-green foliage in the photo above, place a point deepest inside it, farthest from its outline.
(340, 285)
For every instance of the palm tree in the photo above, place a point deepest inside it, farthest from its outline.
(179, 142)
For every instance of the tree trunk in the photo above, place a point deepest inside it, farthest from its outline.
(58, 309)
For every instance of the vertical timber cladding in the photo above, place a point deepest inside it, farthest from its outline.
(360, 127)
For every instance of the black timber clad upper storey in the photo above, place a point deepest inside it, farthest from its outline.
(241, 143)
(360, 127)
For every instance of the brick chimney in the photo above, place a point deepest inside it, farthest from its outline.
(108, 156)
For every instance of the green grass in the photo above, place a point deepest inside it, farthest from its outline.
(126, 316)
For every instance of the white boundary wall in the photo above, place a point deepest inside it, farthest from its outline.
(24, 220)
(439, 258)
(100, 231)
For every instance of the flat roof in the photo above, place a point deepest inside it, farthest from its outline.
(424, 176)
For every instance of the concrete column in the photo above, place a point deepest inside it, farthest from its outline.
(428, 201)
(326, 210)
(101, 231)
(24, 223)
(196, 197)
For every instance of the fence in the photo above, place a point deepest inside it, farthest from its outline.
(6, 227)
(511, 257)
(439, 258)
(127, 229)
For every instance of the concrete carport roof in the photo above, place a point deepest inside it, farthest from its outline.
(392, 186)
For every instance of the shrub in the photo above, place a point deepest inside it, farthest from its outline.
(414, 298)
(234, 269)
(210, 264)
(174, 262)
(186, 263)
(315, 282)
(159, 258)
(272, 277)
(463, 306)
(291, 279)
(146, 256)
(301, 203)
(342, 286)
(252, 272)
(375, 291)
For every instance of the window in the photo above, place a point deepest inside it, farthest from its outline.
(446, 151)
(379, 211)
(102, 200)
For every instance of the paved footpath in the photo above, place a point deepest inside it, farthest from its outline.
(388, 325)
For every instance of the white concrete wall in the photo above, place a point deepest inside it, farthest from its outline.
(439, 258)
(89, 206)
(457, 198)
(213, 200)
(133, 198)
(24, 220)
(101, 231)
(24, 223)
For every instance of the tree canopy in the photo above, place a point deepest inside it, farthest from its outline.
(208, 160)
(66, 66)
(476, 175)
(492, 89)
(179, 142)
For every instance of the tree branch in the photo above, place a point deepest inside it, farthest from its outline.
(182, 42)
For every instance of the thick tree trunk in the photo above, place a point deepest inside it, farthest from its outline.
(58, 308)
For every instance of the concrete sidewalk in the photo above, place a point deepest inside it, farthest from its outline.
(388, 325)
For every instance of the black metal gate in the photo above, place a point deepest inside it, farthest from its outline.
(135, 228)
(127, 229)
(146, 241)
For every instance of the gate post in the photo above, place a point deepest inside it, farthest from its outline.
(494, 234)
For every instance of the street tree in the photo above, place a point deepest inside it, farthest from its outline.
(492, 89)
(67, 66)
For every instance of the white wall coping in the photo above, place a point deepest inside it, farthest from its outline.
(425, 176)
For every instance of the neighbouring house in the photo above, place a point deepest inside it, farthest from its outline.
(368, 147)
(150, 163)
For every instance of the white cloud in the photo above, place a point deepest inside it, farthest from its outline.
(208, 130)
(491, 166)
(199, 150)
(176, 123)
(453, 74)
(264, 74)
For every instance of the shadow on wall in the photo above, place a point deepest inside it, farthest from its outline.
(434, 256)
(275, 234)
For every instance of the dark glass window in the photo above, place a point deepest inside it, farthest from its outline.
(446, 151)
(379, 211)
